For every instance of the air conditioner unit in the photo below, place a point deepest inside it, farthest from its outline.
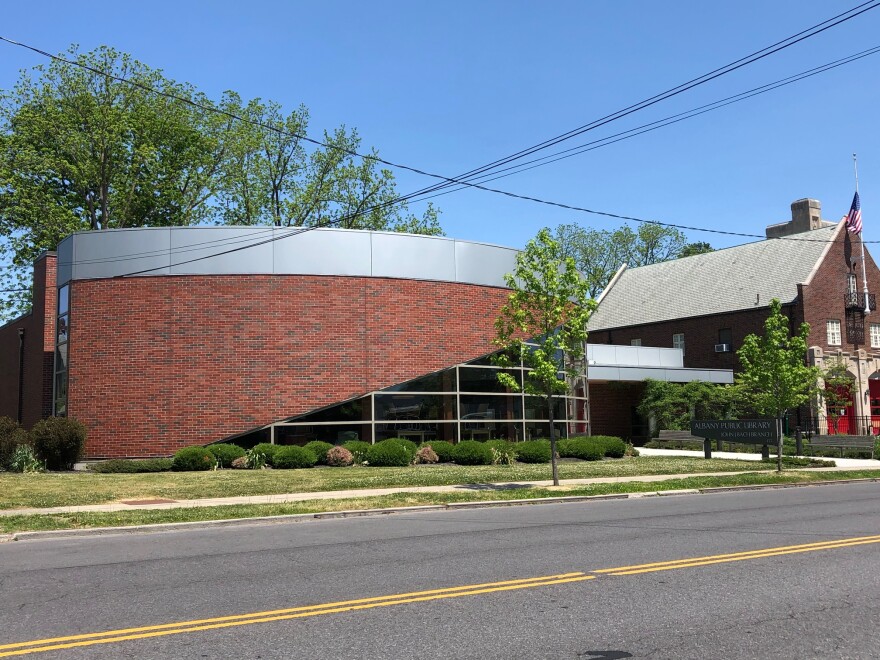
(722, 348)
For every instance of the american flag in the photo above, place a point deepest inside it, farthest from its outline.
(854, 218)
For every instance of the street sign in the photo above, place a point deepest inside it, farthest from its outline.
(757, 431)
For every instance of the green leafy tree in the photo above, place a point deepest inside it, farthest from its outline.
(675, 405)
(692, 249)
(839, 389)
(549, 306)
(775, 377)
(598, 254)
(80, 150)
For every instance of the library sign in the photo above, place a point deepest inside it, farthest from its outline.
(753, 431)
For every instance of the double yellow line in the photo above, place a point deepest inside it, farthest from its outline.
(738, 556)
(145, 632)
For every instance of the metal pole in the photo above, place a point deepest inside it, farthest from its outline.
(862, 242)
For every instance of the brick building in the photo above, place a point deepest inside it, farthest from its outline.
(707, 304)
(161, 338)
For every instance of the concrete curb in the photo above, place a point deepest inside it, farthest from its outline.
(359, 513)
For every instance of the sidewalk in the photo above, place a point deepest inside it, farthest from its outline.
(131, 505)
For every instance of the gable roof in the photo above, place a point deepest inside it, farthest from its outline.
(731, 279)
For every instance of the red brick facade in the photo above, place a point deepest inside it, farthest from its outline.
(158, 363)
(39, 347)
(820, 300)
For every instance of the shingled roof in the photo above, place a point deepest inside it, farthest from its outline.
(732, 279)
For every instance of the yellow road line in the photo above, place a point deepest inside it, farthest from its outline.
(57, 643)
(769, 552)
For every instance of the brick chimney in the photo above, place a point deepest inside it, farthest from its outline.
(806, 215)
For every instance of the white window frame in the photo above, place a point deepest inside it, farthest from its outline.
(678, 341)
(875, 335)
(851, 284)
(832, 331)
(635, 342)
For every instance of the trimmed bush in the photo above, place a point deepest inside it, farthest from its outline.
(444, 450)
(291, 457)
(125, 466)
(426, 455)
(358, 449)
(226, 453)
(193, 459)
(500, 445)
(612, 447)
(408, 444)
(586, 449)
(58, 441)
(11, 436)
(533, 451)
(389, 453)
(339, 457)
(472, 452)
(319, 449)
(267, 449)
(240, 463)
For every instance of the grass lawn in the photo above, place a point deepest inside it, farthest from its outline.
(66, 489)
(139, 517)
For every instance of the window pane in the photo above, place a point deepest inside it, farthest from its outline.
(350, 411)
(536, 408)
(418, 433)
(875, 335)
(535, 431)
(400, 407)
(443, 381)
(61, 357)
(63, 328)
(725, 336)
(476, 406)
(335, 434)
(484, 380)
(63, 300)
(495, 430)
(833, 332)
(635, 342)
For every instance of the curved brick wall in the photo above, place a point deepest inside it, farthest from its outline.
(158, 363)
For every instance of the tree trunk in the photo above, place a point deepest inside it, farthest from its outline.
(554, 466)
(779, 443)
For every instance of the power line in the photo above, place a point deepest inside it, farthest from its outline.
(744, 61)
(674, 91)
(660, 123)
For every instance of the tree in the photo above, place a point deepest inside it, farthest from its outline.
(692, 249)
(675, 405)
(598, 254)
(775, 377)
(838, 392)
(80, 150)
(549, 306)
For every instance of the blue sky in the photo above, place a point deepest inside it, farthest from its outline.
(449, 86)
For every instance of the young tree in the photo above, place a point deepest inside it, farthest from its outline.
(775, 376)
(549, 307)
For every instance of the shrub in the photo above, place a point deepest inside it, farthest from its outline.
(255, 459)
(612, 447)
(631, 451)
(444, 450)
(501, 445)
(293, 457)
(240, 463)
(193, 459)
(503, 455)
(409, 445)
(268, 450)
(11, 436)
(472, 452)
(358, 449)
(389, 453)
(319, 449)
(226, 453)
(339, 457)
(124, 466)
(426, 455)
(585, 449)
(25, 460)
(533, 451)
(58, 441)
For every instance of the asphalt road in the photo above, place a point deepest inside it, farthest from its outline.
(406, 584)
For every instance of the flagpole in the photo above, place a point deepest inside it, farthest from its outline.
(862, 241)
